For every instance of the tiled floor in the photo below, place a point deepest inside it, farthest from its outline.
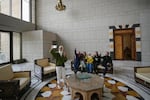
(123, 71)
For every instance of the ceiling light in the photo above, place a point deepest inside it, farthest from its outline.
(60, 6)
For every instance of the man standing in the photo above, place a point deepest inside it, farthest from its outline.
(61, 58)
(76, 61)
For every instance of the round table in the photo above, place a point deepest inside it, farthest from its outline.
(86, 84)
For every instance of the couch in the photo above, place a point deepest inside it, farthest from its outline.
(142, 75)
(43, 68)
(13, 84)
(100, 68)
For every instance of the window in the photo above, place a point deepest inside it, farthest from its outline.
(5, 7)
(26, 10)
(10, 47)
(32, 11)
(4, 47)
(16, 8)
(16, 46)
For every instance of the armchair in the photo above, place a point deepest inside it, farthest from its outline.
(142, 75)
(43, 68)
(13, 84)
(101, 68)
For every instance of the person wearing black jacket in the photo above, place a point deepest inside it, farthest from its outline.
(107, 62)
(97, 61)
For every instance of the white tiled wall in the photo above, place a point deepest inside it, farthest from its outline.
(85, 23)
(47, 42)
(32, 44)
(36, 44)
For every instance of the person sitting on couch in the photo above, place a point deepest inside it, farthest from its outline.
(90, 63)
(107, 62)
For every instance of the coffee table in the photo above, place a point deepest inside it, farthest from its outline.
(86, 84)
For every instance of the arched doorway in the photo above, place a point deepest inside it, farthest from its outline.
(124, 44)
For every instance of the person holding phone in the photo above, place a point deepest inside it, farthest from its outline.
(61, 58)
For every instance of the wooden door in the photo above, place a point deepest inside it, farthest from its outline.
(124, 42)
(127, 46)
(118, 47)
(133, 48)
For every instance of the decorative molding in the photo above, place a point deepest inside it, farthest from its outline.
(112, 27)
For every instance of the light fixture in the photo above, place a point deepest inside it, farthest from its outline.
(60, 6)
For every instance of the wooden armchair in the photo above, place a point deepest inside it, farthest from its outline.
(43, 68)
(13, 84)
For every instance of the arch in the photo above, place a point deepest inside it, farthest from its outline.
(94, 96)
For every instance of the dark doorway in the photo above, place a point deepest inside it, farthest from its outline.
(124, 42)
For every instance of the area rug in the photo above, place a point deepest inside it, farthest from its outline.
(113, 90)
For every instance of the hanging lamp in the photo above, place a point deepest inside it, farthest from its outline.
(60, 6)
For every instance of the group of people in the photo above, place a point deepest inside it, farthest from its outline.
(87, 62)
(90, 63)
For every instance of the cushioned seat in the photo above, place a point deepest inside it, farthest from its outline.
(22, 82)
(49, 69)
(142, 75)
(101, 68)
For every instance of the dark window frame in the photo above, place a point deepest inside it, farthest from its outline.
(21, 11)
(11, 47)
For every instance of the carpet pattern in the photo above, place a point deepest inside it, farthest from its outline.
(113, 90)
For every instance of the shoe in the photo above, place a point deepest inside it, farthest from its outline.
(58, 87)
(103, 76)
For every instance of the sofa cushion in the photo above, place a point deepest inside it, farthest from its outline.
(144, 76)
(143, 70)
(49, 69)
(52, 64)
(43, 62)
(22, 82)
(100, 67)
(6, 72)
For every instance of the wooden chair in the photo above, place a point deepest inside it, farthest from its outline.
(43, 68)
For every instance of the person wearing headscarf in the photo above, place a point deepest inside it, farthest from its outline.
(61, 58)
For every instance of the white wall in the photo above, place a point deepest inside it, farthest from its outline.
(32, 45)
(36, 44)
(145, 28)
(85, 23)
(47, 42)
